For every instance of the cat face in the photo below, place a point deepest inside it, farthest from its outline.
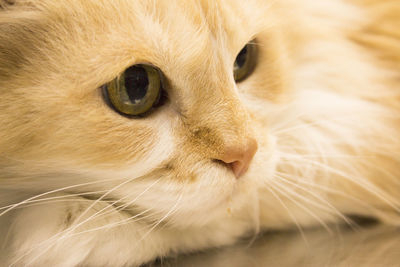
(57, 129)
(59, 121)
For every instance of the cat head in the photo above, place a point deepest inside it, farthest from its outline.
(67, 121)
(58, 61)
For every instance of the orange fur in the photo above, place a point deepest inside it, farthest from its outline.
(322, 103)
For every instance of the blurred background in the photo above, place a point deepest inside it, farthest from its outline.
(371, 244)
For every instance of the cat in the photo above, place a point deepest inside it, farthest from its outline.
(131, 130)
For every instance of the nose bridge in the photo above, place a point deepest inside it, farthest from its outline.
(219, 104)
(222, 122)
(226, 136)
(220, 129)
(216, 121)
(226, 117)
(225, 101)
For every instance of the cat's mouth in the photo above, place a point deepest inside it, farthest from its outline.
(218, 186)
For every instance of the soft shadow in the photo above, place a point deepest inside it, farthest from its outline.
(372, 245)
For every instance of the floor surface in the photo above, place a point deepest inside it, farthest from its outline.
(373, 245)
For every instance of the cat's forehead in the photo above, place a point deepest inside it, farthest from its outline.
(91, 42)
(176, 18)
(156, 30)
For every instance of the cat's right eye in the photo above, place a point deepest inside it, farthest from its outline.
(136, 91)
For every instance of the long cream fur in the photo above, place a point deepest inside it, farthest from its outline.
(82, 185)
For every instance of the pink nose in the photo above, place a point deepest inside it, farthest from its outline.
(239, 157)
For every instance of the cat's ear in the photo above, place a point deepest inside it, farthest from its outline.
(6, 3)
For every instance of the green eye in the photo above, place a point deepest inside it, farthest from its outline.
(136, 91)
(245, 62)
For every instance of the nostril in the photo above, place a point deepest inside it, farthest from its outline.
(238, 168)
(221, 162)
(238, 158)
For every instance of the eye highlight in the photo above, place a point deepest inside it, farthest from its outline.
(245, 62)
(136, 91)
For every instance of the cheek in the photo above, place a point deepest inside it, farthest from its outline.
(87, 133)
(99, 143)
(125, 143)
(112, 144)
(120, 142)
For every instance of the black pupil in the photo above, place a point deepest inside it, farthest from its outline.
(136, 83)
(241, 58)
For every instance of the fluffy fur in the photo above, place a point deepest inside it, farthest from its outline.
(82, 185)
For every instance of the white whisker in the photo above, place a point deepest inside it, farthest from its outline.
(271, 188)
(51, 192)
(281, 189)
(68, 230)
(330, 208)
(364, 183)
(50, 199)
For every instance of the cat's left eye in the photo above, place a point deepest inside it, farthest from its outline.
(136, 91)
(245, 62)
